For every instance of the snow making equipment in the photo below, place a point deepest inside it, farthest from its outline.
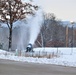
(29, 48)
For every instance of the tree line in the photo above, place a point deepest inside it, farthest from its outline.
(54, 33)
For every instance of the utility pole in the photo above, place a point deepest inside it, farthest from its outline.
(72, 45)
(66, 36)
(72, 23)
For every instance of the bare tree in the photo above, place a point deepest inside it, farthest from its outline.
(45, 31)
(52, 32)
(13, 10)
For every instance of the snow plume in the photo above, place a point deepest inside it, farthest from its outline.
(29, 29)
(35, 25)
(34, 22)
(21, 29)
(22, 34)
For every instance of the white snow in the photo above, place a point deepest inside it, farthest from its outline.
(66, 56)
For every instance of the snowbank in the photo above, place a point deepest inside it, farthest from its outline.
(64, 59)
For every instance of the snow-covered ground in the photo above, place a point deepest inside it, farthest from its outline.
(65, 56)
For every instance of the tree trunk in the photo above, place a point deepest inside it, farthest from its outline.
(42, 40)
(10, 27)
(10, 38)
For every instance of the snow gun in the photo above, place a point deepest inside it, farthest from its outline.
(29, 48)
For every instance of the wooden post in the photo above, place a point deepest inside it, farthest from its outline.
(66, 36)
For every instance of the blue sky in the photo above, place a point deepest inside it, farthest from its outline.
(63, 9)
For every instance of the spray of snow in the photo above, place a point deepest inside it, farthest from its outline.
(36, 24)
(22, 35)
(30, 30)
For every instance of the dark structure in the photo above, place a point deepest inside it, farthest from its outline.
(29, 48)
